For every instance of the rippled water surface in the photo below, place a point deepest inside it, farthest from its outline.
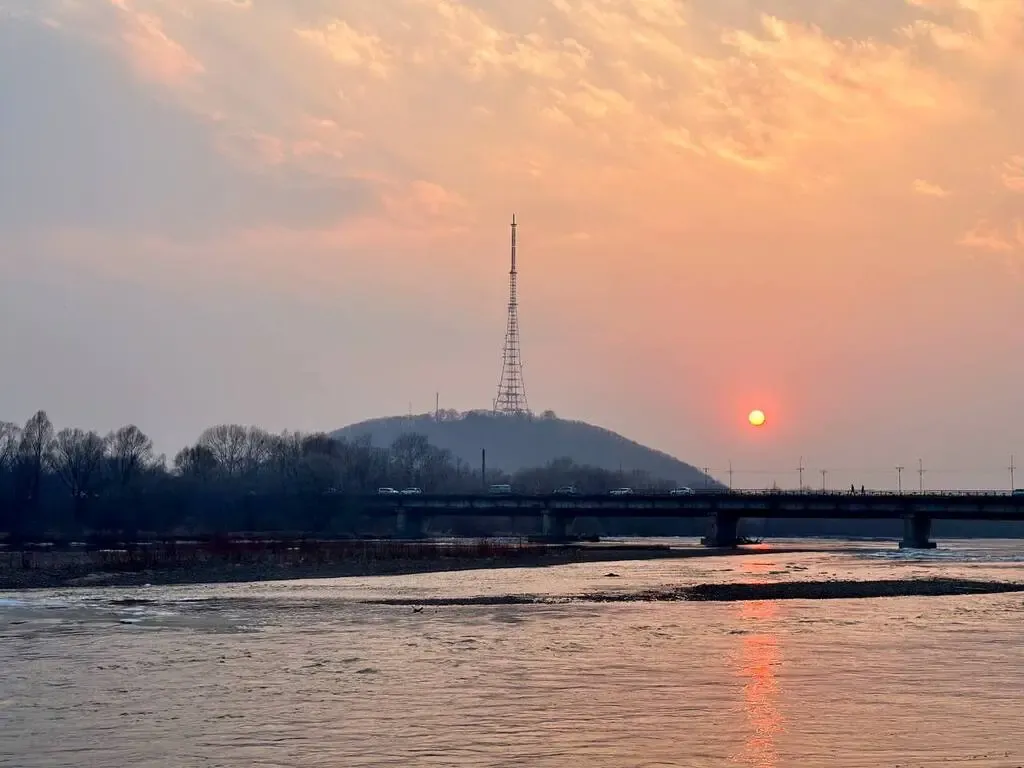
(303, 674)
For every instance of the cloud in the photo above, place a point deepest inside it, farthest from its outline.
(984, 236)
(929, 189)
(351, 48)
(300, 115)
(83, 144)
(155, 55)
(1012, 174)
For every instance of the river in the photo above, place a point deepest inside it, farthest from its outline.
(303, 674)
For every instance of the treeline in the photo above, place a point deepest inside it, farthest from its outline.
(73, 482)
(238, 478)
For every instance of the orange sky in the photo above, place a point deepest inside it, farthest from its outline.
(296, 214)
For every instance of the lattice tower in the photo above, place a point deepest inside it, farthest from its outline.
(511, 399)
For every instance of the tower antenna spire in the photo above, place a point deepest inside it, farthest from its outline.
(511, 399)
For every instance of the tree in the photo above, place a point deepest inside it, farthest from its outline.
(33, 456)
(77, 456)
(318, 468)
(196, 462)
(228, 443)
(410, 455)
(10, 436)
(131, 452)
(256, 454)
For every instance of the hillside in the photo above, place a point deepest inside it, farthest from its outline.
(514, 443)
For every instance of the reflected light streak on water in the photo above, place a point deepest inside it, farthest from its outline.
(757, 664)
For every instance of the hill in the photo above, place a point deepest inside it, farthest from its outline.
(515, 443)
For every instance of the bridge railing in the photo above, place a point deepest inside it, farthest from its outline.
(744, 492)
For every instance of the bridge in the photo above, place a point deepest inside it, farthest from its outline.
(723, 509)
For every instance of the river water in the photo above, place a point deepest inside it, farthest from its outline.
(303, 674)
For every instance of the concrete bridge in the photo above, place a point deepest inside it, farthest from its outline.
(723, 509)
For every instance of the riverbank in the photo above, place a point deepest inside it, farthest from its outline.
(60, 572)
(739, 592)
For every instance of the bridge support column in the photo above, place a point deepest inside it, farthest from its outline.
(410, 524)
(917, 530)
(723, 530)
(554, 525)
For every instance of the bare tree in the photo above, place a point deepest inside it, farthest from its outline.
(228, 443)
(10, 436)
(411, 453)
(196, 462)
(285, 456)
(131, 452)
(257, 450)
(77, 456)
(33, 453)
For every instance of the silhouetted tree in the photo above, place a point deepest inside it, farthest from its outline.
(10, 437)
(33, 455)
(131, 452)
(197, 462)
(77, 458)
(228, 444)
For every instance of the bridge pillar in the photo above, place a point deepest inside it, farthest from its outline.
(554, 525)
(723, 530)
(410, 524)
(917, 529)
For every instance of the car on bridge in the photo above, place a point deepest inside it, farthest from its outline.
(1018, 492)
(412, 491)
(387, 492)
(684, 491)
(621, 492)
(566, 490)
(500, 488)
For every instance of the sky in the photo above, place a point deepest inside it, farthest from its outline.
(294, 213)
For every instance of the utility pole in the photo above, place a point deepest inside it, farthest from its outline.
(800, 469)
(899, 477)
(1012, 468)
(730, 474)
(920, 476)
(824, 475)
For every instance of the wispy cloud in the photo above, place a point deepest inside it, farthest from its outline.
(987, 237)
(573, 102)
(928, 189)
(1012, 174)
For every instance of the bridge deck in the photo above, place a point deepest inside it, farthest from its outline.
(789, 505)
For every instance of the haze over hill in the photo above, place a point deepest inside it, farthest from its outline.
(514, 443)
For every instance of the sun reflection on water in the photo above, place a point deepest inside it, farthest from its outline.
(757, 663)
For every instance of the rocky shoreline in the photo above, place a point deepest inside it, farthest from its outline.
(737, 592)
(220, 572)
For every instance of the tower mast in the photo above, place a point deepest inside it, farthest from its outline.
(511, 399)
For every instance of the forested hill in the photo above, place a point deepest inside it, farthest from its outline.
(515, 443)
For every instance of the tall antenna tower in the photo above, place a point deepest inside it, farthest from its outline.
(511, 399)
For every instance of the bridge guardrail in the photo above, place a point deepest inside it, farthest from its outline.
(711, 492)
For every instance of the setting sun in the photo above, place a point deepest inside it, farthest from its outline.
(756, 418)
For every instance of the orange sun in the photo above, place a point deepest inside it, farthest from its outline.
(756, 418)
